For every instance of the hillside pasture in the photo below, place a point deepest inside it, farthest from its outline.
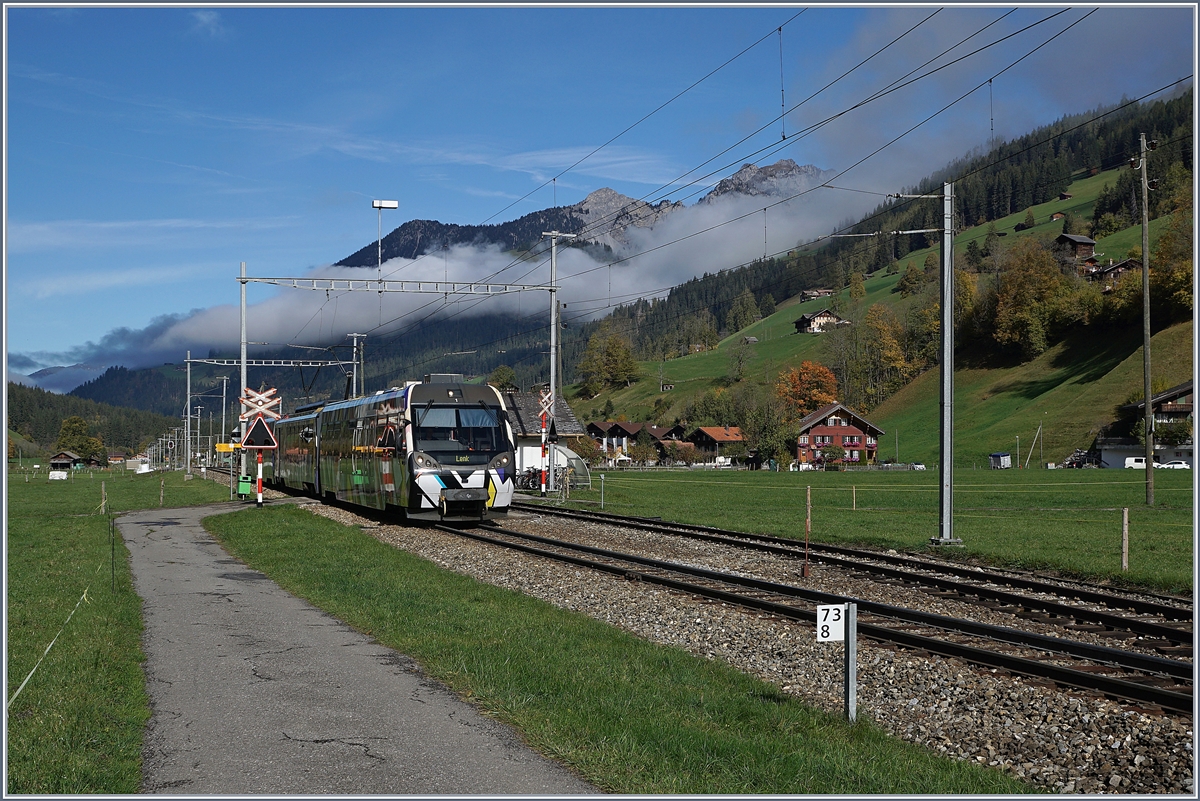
(1072, 390)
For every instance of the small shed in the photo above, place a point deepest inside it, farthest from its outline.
(1001, 461)
(1080, 246)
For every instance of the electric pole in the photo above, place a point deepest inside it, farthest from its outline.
(1149, 408)
(358, 377)
(554, 236)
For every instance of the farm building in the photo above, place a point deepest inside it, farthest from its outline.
(1081, 246)
(817, 322)
(66, 460)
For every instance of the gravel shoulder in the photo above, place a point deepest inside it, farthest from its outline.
(1055, 740)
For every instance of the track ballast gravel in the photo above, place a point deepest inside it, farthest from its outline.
(1055, 740)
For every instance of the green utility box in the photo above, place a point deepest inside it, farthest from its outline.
(246, 486)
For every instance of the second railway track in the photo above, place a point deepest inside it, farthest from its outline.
(1143, 679)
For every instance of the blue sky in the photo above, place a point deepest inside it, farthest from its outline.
(150, 150)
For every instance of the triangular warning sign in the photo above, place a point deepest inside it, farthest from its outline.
(259, 435)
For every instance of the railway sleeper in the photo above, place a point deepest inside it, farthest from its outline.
(1174, 650)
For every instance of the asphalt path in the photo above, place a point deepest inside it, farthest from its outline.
(253, 691)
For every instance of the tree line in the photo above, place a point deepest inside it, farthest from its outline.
(38, 416)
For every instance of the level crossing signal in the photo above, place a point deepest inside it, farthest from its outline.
(259, 436)
(261, 403)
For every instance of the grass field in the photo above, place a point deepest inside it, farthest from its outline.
(77, 725)
(1062, 520)
(630, 716)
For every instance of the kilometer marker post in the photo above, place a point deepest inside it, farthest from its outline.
(840, 622)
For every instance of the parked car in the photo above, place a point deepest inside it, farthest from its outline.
(1176, 464)
(1136, 462)
(916, 466)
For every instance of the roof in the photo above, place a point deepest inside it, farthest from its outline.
(68, 454)
(720, 433)
(814, 418)
(1166, 396)
(629, 429)
(814, 315)
(1077, 239)
(525, 414)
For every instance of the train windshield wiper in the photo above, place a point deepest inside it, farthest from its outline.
(495, 419)
(424, 412)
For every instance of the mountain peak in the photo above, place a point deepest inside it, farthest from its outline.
(784, 178)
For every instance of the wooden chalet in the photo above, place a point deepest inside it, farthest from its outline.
(1107, 274)
(66, 460)
(836, 425)
(709, 439)
(818, 322)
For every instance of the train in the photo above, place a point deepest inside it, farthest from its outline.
(435, 450)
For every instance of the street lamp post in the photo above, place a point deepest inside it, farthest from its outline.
(380, 205)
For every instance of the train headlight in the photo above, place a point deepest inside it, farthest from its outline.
(500, 462)
(424, 461)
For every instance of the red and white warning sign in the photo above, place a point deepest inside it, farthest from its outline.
(261, 403)
(259, 436)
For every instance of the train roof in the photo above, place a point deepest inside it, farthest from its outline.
(421, 392)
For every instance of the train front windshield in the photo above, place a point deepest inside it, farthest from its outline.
(455, 435)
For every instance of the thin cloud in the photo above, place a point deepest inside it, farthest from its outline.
(85, 283)
(54, 235)
(208, 23)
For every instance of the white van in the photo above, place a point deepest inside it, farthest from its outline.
(1136, 461)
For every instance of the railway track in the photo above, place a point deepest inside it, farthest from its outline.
(1164, 623)
(1154, 682)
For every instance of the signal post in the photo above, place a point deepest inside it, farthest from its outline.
(259, 406)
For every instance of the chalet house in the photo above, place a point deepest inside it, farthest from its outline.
(525, 416)
(710, 439)
(1065, 196)
(66, 460)
(813, 294)
(817, 322)
(836, 425)
(1081, 246)
(1058, 215)
(616, 438)
(1107, 274)
(1172, 407)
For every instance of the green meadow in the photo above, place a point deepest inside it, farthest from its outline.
(76, 726)
(1067, 521)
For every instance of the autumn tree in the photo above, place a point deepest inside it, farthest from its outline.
(1171, 292)
(503, 378)
(858, 289)
(1033, 300)
(607, 362)
(74, 436)
(804, 389)
(910, 282)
